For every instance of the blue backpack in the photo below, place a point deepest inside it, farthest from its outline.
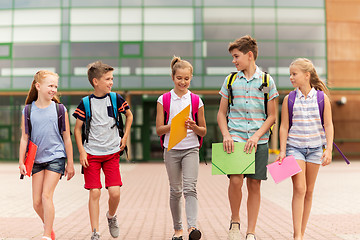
(321, 104)
(118, 119)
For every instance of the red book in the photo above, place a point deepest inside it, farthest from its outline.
(30, 158)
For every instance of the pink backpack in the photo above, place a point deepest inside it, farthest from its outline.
(166, 106)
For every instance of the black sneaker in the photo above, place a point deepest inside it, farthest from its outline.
(195, 234)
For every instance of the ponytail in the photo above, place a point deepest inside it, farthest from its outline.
(33, 92)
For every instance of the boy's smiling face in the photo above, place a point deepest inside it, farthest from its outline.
(241, 60)
(104, 84)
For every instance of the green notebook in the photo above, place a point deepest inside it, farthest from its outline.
(238, 162)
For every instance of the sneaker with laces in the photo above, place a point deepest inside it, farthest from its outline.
(113, 225)
(234, 231)
(95, 235)
(250, 236)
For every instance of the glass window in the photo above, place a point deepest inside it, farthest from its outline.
(29, 68)
(5, 17)
(264, 15)
(264, 3)
(266, 49)
(132, 63)
(5, 34)
(287, 49)
(158, 82)
(101, 49)
(169, 33)
(5, 51)
(35, 50)
(130, 3)
(37, 34)
(226, 15)
(308, 32)
(77, 65)
(36, 4)
(130, 49)
(94, 16)
(168, 15)
(302, 3)
(168, 49)
(4, 4)
(227, 3)
(217, 49)
(95, 3)
(214, 82)
(131, 33)
(37, 17)
(264, 32)
(221, 67)
(130, 82)
(167, 3)
(94, 33)
(77, 82)
(5, 82)
(130, 15)
(225, 32)
(300, 15)
(265, 64)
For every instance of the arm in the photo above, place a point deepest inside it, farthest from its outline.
(228, 142)
(22, 149)
(69, 171)
(78, 139)
(329, 132)
(128, 122)
(161, 129)
(200, 129)
(270, 120)
(284, 129)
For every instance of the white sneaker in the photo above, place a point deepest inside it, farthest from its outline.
(250, 236)
(234, 231)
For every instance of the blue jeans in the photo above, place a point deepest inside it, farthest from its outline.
(56, 165)
(182, 168)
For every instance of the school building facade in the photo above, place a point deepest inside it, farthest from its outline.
(139, 38)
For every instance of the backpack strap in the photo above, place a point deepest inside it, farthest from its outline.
(265, 83)
(114, 103)
(195, 99)
(27, 122)
(291, 101)
(86, 125)
(60, 109)
(166, 109)
(230, 80)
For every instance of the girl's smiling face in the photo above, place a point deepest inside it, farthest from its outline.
(182, 79)
(47, 88)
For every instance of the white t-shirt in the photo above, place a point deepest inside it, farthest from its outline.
(178, 104)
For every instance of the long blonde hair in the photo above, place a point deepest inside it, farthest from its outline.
(38, 78)
(177, 63)
(305, 65)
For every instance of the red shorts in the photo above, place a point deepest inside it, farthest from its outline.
(110, 166)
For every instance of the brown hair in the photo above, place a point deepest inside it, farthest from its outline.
(97, 70)
(38, 78)
(245, 44)
(177, 63)
(305, 65)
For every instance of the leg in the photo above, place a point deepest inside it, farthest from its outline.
(173, 167)
(190, 166)
(235, 196)
(94, 197)
(253, 203)
(51, 179)
(299, 189)
(37, 189)
(312, 170)
(114, 199)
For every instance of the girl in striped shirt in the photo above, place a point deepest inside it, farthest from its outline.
(306, 138)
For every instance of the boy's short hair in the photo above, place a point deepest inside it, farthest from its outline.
(244, 45)
(96, 70)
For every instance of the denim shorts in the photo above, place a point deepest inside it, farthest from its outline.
(312, 155)
(56, 165)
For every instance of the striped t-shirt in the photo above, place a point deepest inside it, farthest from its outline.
(306, 130)
(248, 113)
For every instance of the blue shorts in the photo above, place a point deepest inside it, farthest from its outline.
(312, 155)
(56, 165)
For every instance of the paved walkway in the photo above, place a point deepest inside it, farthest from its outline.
(144, 209)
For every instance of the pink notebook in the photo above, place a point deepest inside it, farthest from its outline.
(286, 169)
